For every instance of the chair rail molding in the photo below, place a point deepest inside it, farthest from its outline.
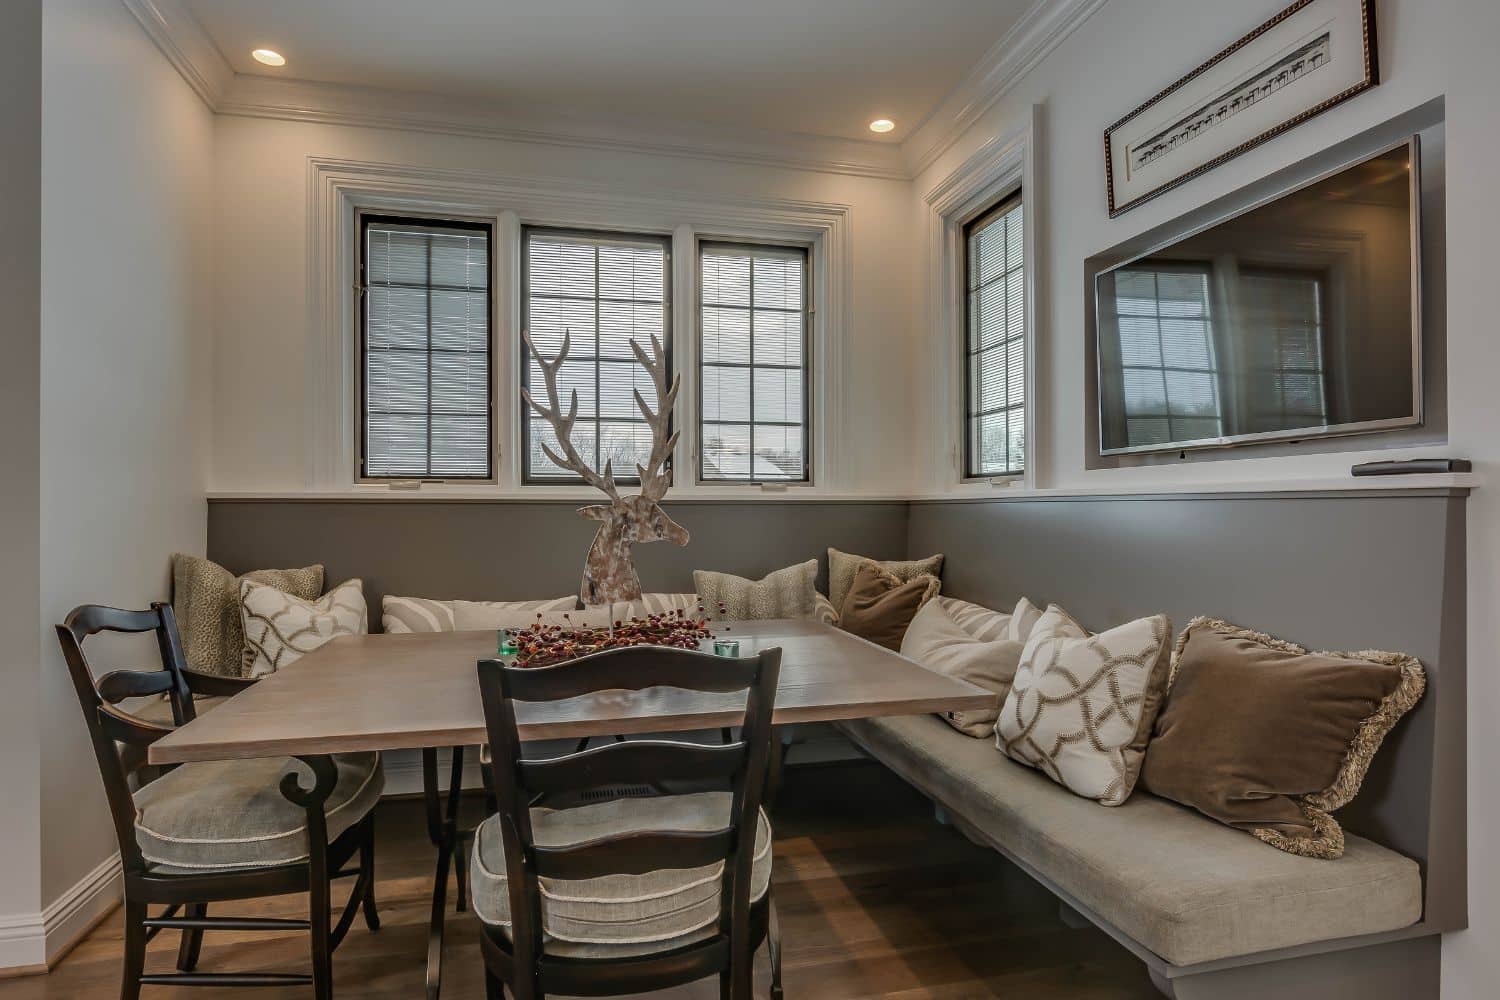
(337, 188)
(1002, 165)
(1043, 28)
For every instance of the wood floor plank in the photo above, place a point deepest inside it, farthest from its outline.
(877, 900)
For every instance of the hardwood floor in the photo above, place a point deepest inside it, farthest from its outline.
(876, 900)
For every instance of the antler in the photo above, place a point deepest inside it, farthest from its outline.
(654, 477)
(562, 425)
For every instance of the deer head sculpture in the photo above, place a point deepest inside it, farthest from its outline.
(609, 574)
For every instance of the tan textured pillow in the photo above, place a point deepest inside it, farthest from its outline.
(786, 593)
(1270, 738)
(206, 602)
(1081, 707)
(939, 642)
(841, 567)
(880, 606)
(281, 629)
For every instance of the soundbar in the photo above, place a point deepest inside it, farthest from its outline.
(1413, 467)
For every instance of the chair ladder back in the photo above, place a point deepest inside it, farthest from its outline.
(743, 764)
(110, 725)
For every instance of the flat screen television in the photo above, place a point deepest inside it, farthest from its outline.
(1296, 318)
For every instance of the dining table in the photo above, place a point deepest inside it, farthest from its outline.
(420, 691)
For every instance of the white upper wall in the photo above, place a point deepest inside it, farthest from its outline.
(126, 149)
(1123, 54)
(266, 419)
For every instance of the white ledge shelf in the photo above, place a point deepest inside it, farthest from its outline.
(1384, 485)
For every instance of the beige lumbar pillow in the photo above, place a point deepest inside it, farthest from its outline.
(206, 603)
(842, 567)
(786, 593)
(939, 642)
(281, 629)
(1082, 706)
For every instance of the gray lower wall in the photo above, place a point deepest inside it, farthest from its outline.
(1341, 570)
(503, 551)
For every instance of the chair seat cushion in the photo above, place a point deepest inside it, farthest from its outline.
(664, 908)
(1184, 886)
(220, 815)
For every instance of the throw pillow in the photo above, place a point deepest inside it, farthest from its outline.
(976, 620)
(281, 629)
(842, 565)
(419, 614)
(1270, 738)
(786, 593)
(1081, 707)
(206, 603)
(1023, 620)
(941, 642)
(880, 606)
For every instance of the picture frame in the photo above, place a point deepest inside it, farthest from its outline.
(1311, 56)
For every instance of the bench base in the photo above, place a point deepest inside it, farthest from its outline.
(1394, 970)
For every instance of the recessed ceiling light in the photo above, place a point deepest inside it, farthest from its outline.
(273, 58)
(882, 125)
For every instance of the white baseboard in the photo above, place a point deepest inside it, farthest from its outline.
(31, 942)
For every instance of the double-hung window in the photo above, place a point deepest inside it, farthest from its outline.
(602, 290)
(753, 364)
(425, 392)
(995, 343)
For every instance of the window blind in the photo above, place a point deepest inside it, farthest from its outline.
(425, 349)
(603, 289)
(753, 350)
(995, 342)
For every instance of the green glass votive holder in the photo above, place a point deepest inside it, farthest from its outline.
(726, 647)
(505, 644)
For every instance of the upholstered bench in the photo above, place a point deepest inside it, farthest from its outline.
(1183, 892)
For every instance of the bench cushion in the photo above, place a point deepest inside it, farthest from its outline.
(1182, 885)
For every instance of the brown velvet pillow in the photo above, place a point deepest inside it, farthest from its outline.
(1270, 738)
(880, 606)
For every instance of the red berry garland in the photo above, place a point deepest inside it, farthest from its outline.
(544, 645)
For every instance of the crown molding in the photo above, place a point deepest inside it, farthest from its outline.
(1042, 29)
(188, 47)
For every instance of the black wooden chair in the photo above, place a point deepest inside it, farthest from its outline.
(218, 831)
(614, 895)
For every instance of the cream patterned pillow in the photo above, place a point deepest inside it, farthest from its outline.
(786, 593)
(404, 615)
(1081, 707)
(841, 567)
(281, 629)
(206, 601)
(1023, 620)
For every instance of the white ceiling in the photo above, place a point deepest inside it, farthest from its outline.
(823, 67)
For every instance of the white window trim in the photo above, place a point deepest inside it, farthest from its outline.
(996, 170)
(337, 188)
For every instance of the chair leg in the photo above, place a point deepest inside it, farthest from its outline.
(773, 950)
(135, 950)
(493, 988)
(192, 940)
(367, 866)
(319, 914)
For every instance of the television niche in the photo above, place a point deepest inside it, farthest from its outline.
(1296, 318)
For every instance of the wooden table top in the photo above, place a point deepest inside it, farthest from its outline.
(389, 692)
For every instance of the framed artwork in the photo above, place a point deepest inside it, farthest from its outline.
(1311, 56)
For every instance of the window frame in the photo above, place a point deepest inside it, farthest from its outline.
(995, 209)
(362, 222)
(808, 387)
(522, 359)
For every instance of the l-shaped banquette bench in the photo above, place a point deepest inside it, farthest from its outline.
(1211, 911)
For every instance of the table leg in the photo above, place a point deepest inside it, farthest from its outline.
(442, 830)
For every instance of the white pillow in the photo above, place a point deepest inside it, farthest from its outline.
(281, 629)
(1023, 620)
(1081, 706)
(938, 642)
(977, 620)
